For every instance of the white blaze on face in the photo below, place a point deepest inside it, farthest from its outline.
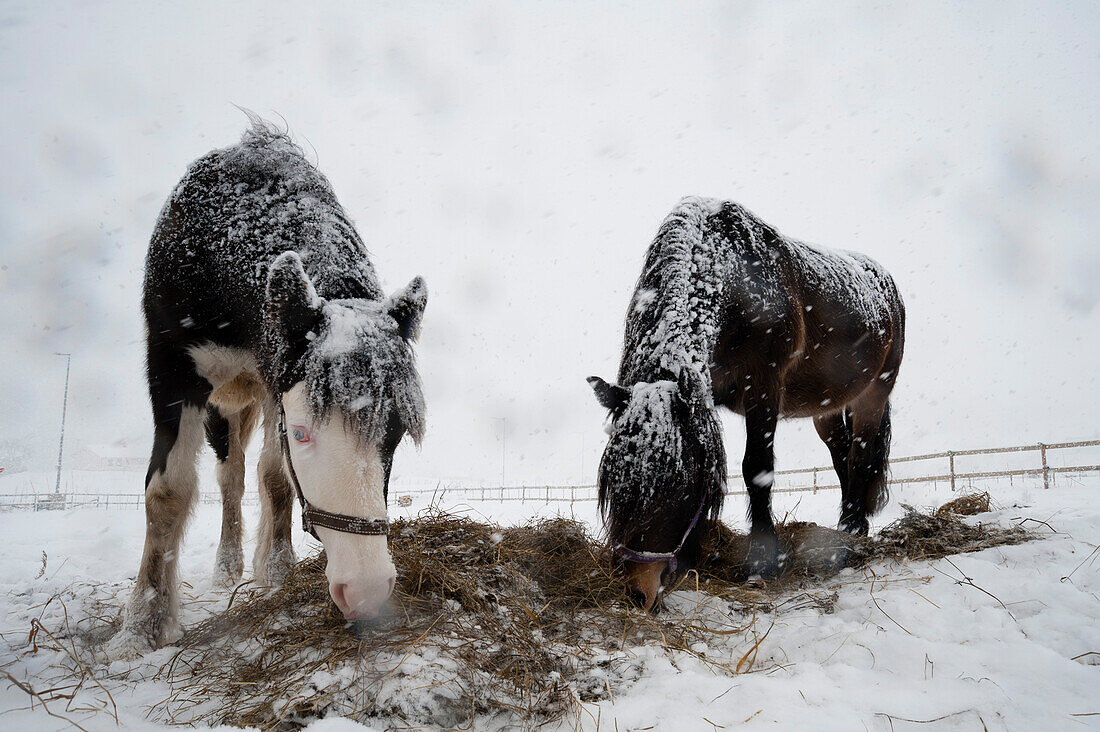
(341, 475)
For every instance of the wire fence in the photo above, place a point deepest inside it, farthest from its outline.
(48, 501)
(961, 469)
(1049, 461)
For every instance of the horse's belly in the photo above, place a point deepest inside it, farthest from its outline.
(810, 393)
(232, 374)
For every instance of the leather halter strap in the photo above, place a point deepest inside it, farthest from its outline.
(652, 557)
(313, 516)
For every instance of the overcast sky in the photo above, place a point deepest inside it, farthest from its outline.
(520, 157)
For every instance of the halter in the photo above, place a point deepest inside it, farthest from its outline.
(671, 557)
(313, 516)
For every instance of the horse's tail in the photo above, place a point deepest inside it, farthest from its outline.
(878, 492)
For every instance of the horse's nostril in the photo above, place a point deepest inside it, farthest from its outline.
(339, 597)
(637, 597)
(362, 598)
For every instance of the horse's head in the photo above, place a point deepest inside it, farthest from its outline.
(350, 393)
(662, 473)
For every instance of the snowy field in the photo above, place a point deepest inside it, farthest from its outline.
(1006, 638)
(520, 156)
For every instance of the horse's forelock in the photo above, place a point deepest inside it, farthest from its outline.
(643, 454)
(661, 454)
(360, 368)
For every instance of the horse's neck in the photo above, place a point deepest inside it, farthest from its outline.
(667, 359)
(340, 268)
(681, 328)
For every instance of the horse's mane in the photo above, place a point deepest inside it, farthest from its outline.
(275, 170)
(266, 153)
(646, 426)
(672, 321)
(361, 366)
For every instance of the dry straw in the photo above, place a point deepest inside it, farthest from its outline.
(512, 626)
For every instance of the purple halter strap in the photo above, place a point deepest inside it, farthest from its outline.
(670, 557)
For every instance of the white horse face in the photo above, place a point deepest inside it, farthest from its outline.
(341, 474)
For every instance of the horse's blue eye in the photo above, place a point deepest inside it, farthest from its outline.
(299, 434)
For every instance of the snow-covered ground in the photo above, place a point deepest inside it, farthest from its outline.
(1007, 638)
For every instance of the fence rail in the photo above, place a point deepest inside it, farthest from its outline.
(952, 475)
(76, 499)
(577, 493)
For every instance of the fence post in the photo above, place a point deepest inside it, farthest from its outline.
(951, 463)
(815, 481)
(1046, 468)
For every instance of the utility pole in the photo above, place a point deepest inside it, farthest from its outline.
(64, 408)
(503, 445)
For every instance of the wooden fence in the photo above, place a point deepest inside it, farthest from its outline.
(955, 476)
(1049, 461)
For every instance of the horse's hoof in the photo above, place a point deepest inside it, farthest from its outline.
(128, 645)
(171, 633)
(855, 527)
(273, 570)
(765, 558)
(228, 571)
(766, 568)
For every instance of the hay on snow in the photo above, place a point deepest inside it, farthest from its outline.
(519, 623)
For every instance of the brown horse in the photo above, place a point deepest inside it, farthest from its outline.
(728, 312)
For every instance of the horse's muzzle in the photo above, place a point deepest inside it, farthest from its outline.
(362, 600)
(643, 581)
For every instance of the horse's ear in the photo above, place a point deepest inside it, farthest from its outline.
(407, 307)
(692, 389)
(292, 303)
(610, 396)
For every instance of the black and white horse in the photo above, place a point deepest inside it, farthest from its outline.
(260, 299)
(728, 312)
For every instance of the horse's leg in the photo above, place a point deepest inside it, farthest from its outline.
(867, 463)
(274, 551)
(228, 435)
(836, 432)
(151, 617)
(758, 468)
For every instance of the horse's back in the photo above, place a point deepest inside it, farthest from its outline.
(825, 322)
(850, 318)
(854, 287)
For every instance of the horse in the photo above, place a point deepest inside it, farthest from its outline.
(728, 312)
(260, 300)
